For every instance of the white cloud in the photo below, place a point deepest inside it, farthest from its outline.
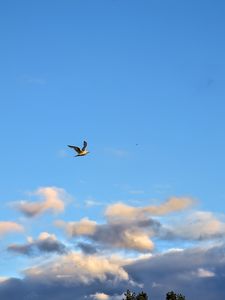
(123, 236)
(45, 243)
(121, 211)
(100, 296)
(83, 227)
(103, 296)
(52, 199)
(7, 227)
(199, 226)
(203, 273)
(77, 267)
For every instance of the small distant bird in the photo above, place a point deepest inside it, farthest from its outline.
(80, 152)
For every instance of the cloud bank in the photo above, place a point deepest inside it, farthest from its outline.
(104, 259)
(197, 273)
(127, 227)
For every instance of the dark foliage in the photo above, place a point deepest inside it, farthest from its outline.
(173, 296)
(132, 296)
(129, 295)
(143, 296)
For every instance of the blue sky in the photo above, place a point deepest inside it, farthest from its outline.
(143, 83)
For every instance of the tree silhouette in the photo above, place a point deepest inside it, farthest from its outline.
(180, 297)
(173, 296)
(142, 296)
(129, 295)
(132, 296)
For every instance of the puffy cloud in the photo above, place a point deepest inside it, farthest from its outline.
(77, 267)
(121, 211)
(87, 248)
(103, 296)
(100, 296)
(123, 237)
(7, 227)
(46, 243)
(127, 227)
(201, 272)
(134, 235)
(133, 228)
(83, 227)
(53, 200)
(197, 226)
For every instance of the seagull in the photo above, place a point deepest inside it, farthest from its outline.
(80, 152)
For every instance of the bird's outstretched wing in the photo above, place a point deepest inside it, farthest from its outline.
(85, 145)
(77, 149)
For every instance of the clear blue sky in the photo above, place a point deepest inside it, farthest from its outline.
(142, 81)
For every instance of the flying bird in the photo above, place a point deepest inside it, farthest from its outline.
(80, 152)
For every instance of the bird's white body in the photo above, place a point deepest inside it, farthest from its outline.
(80, 152)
